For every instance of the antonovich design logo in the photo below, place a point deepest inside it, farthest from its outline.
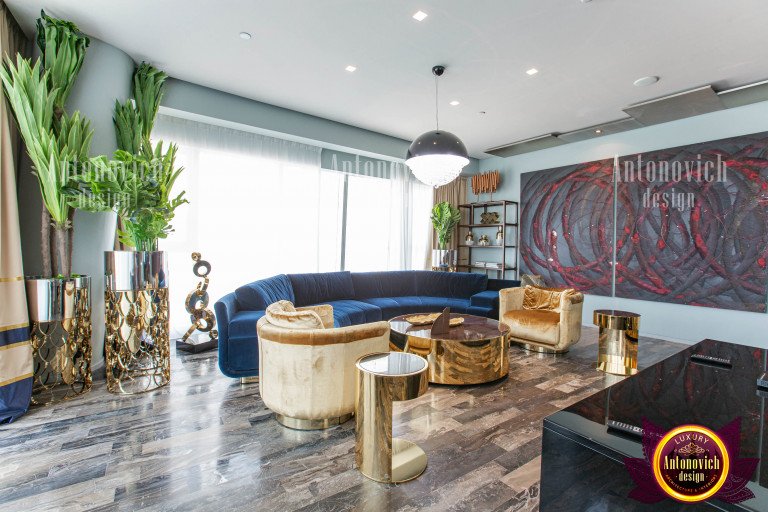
(691, 463)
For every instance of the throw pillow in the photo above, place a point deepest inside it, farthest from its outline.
(532, 280)
(541, 298)
(283, 314)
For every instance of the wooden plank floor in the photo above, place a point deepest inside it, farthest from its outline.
(207, 443)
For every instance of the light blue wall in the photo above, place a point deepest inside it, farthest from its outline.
(203, 103)
(670, 321)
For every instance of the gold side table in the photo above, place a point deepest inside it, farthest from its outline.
(617, 353)
(383, 378)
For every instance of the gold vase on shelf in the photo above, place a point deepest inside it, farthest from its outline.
(137, 331)
(60, 333)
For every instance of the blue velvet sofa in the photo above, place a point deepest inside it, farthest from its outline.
(357, 298)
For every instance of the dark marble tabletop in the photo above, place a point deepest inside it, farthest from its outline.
(474, 328)
(677, 391)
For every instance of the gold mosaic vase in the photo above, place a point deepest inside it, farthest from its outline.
(137, 331)
(60, 334)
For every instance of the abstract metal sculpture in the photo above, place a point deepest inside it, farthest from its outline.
(200, 314)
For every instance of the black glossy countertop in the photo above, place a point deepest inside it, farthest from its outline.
(677, 391)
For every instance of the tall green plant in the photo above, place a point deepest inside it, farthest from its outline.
(138, 183)
(55, 143)
(138, 188)
(444, 219)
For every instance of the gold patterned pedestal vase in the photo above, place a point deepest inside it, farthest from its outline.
(137, 330)
(60, 333)
(383, 378)
(617, 352)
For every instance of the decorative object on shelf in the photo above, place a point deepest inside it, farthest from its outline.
(500, 236)
(60, 333)
(506, 218)
(136, 303)
(444, 268)
(486, 183)
(445, 217)
(437, 157)
(489, 218)
(381, 379)
(469, 239)
(200, 315)
(484, 241)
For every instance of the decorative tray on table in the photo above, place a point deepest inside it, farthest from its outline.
(430, 318)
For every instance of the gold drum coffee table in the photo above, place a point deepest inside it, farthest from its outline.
(474, 352)
(383, 378)
(617, 353)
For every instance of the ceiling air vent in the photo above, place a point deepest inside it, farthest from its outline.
(677, 106)
(549, 140)
(609, 128)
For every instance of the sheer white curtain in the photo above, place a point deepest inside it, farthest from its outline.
(387, 220)
(259, 206)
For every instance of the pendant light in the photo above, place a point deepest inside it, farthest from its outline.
(437, 157)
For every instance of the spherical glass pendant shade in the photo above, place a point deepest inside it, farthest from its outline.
(437, 158)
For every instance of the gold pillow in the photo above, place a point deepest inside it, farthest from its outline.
(546, 299)
(283, 314)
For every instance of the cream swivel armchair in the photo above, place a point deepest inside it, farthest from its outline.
(542, 319)
(307, 370)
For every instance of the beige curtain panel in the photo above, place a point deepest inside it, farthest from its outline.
(15, 348)
(455, 193)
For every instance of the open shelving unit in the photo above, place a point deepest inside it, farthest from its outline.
(509, 216)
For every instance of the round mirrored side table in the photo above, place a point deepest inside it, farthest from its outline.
(383, 378)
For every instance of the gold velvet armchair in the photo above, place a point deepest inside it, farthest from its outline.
(542, 319)
(307, 372)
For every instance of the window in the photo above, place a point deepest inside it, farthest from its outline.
(256, 211)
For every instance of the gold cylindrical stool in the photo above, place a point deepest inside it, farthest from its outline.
(617, 353)
(138, 349)
(384, 378)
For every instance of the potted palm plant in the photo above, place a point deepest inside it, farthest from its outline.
(138, 185)
(57, 144)
(445, 217)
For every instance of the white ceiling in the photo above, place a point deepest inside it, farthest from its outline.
(588, 55)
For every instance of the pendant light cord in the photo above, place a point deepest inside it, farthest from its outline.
(437, 118)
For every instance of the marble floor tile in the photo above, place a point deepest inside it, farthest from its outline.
(205, 442)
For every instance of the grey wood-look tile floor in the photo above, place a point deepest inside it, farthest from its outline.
(205, 442)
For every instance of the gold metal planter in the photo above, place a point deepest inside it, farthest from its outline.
(60, 334)
(137, 331)
(382, 379)
(617, 352)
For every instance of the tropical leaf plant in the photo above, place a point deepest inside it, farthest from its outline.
(56, 143)
(444, 219)
(142, 226)
(62, 48)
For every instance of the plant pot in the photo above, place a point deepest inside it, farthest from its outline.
(444, 257)
(60, 333)
(137, 328)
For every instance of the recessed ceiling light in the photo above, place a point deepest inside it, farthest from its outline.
(532, 71)
(455, 102)
(245, 35)
(646, 80)
(598, 131)
(420, 16)
(351, 68)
